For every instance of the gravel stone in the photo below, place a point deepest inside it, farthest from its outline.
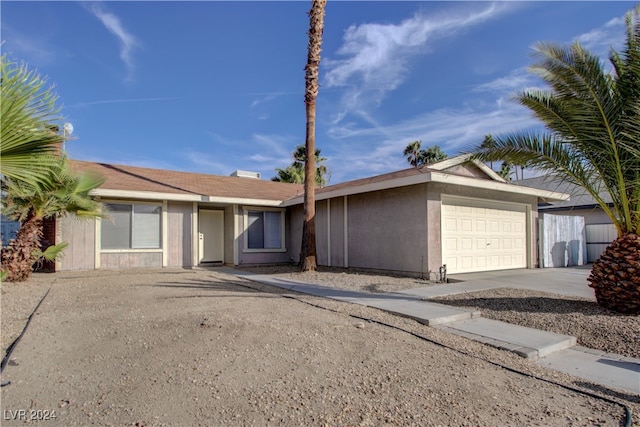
(197, 347)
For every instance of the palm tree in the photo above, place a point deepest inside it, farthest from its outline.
(294, 173)
(417, 157)
(505, 171)
(412, 153)
(488, 143)
(62, 192)
(316, 26)
(592, 140)
(432, 154)
(29, 143)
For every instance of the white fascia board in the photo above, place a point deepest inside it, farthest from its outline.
(450, 162)
(486, 169)
(154, 195)
(365, 188)
(145, 195)
(434, 176)
(243, 201)
(464, 181)
(462, 159)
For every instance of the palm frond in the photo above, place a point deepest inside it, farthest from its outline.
(592, 119)
(53, 252)
(29, 141)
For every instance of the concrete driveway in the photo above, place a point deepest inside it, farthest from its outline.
(571, 281)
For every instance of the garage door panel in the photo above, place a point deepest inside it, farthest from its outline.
(466, 262)
(494, 261)
(451, 244)
(488, 235)
(451, 263)
(450, 224)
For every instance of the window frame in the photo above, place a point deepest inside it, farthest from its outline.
(132, 224)
(245, 231)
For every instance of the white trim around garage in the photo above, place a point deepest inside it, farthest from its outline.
(484, 235)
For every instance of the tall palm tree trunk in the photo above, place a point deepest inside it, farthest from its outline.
(316, 25)
(18, 258)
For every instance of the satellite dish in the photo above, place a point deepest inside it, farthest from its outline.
(67, 128)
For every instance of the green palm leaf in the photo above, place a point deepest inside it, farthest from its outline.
(592, 117)
(29, 144)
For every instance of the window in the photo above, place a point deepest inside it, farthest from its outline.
(264, 230)
(131, 226)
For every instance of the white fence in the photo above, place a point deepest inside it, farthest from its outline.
(599, 236)
(562, 241)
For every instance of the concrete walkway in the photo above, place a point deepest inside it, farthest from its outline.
(545, 348)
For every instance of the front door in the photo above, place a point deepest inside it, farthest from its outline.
(211, 236)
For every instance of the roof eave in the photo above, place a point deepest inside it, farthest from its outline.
(364, 188)
(434, 176)
(550, 196)
(175, 197)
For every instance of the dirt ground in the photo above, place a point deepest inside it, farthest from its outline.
(197, 347)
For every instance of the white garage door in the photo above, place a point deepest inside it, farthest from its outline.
(483, 235)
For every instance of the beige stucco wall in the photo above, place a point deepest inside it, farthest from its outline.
(295, 220)
(229, 234)
(179, 234)
(80, 234)
(114, 260)
(387, 230)
(469, 170)
(337, 234)
(322, 230)
(394, 230)
(329, 232)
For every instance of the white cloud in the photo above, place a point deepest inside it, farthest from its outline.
(208, 163)
(119, 101)
(376, 57)
(37, 51)
(371, 150)
(273, 148)
(602, 39)
(516, 81)
(266, 98)
(128, 41)
(261, 153)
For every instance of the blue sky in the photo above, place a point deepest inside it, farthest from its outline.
(217, 86)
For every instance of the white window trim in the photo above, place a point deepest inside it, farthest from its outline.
(162, 204)
(245, 229)
(128, 251)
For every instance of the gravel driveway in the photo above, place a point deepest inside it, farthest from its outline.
(183, 347)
